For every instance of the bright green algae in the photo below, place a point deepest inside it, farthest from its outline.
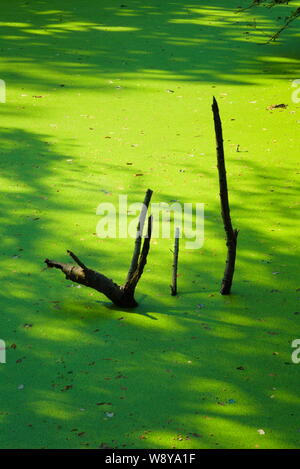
(91, 87)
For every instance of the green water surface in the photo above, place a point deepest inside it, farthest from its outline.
(107, 99)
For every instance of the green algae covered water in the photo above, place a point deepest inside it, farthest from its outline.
(106, 99)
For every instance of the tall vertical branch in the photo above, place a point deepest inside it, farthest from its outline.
(175, 263)
(131, 283)
(139, 234)
(231, 234)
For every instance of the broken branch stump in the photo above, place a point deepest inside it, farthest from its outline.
(175, 264)
(231, 234)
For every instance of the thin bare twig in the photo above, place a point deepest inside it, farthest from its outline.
(175, 263)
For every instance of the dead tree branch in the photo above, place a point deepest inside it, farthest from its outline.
(175, 264)
(120, 295)
(231, 234)
(270, 4)
(139, 234)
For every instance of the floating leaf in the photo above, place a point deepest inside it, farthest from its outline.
(261, 431)
(277, 106)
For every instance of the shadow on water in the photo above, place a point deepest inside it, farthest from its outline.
(160, 40)
(198, 370)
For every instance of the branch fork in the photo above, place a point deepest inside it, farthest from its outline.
(120, 295)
